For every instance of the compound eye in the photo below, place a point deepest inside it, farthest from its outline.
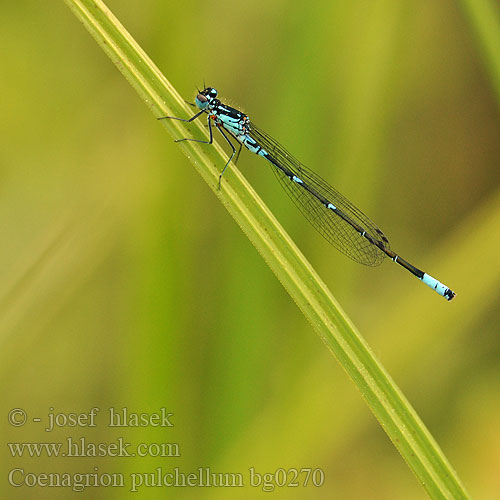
(201, 101)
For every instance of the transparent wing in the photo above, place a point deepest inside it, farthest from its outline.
(341, 229)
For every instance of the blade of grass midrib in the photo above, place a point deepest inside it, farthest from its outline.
(311, 295)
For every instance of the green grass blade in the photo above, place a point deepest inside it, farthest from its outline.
(484, 17)
(390, 407)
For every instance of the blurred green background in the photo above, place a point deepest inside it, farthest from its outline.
(125, 283)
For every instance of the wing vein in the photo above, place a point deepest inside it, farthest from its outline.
(342, 232)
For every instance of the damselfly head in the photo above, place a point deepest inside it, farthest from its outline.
(205, 97)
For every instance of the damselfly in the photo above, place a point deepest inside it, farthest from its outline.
(332, 215)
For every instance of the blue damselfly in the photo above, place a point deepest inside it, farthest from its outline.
(332, 215)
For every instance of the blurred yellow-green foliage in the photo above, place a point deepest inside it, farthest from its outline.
(125, 284)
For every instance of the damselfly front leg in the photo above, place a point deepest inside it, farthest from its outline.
(210, 141)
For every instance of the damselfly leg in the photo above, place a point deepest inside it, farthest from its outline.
(232, 154)
(210, 141)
